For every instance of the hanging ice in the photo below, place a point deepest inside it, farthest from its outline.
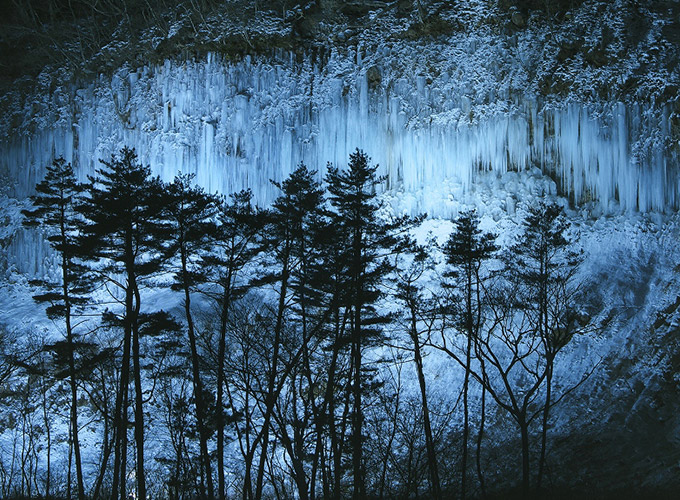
(241, 124)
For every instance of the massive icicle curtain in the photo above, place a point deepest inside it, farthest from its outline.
(240, 124)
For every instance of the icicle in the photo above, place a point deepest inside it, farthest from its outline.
(237, 125)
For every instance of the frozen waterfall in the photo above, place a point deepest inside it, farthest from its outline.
(240, 124)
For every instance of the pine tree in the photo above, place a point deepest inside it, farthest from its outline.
(369, 241)
(285, 238)
(545, 263)
(311, 308)
(190, 228)
(466, 251)
(420, 309)
(55, 203)
(124, 235)
(238, 223)
(327, 290)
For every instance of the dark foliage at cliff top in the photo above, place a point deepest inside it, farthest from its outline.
(620, 42)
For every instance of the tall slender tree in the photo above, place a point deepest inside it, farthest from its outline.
(545, 262)
(312, 305)
(284, 238)
(466, 251)
(190, 213)
(233, 247)
(328, 280)
(420, 319)
(124, 233)
(55, 210)
(369, 240)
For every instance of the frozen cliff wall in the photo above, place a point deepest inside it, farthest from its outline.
(239, 124)
(443, 97)
(436, 93)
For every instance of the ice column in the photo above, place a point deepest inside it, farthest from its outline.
(239, 124)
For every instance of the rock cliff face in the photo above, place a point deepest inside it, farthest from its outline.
(473, 103)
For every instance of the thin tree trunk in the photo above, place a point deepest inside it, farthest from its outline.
(199, 397)
(178, 461)
(69, 479)
(219, 403)
(482, 422)
(325, 479)
(221, 354)
(466, 419)
(480, 437)
(48, 432)
(306, 366)
(466, 381)
(106, 452)
(335, 447)
(544, 428)
(124, 439)
(357, 414)
(327, 409)
(74, 432)
(524, 431)
(390, 441)
(340, 437)
(139, 409)
(270, 397)
(120, 418)
(72, 371)
(431, 453)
